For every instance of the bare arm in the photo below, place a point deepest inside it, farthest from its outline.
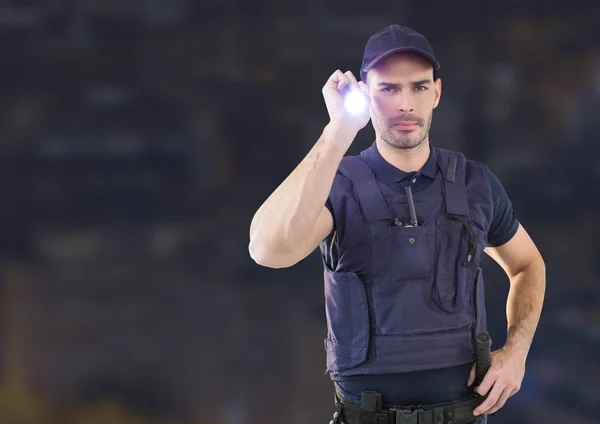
(293, 220)
(526, 270)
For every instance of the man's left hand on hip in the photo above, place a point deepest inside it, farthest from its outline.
(503, 379)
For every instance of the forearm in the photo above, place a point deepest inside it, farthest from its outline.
(290, 212)
(524, 305)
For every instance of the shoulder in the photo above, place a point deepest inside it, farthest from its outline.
(352, 169)
(489, 202)
(474, 170)
(342, 201)
(479, 174)
(503, 222)
(482, 171)
(342, 178)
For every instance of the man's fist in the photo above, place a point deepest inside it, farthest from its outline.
(338, 86)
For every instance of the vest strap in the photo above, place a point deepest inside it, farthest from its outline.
(370, 198)
(454, 168)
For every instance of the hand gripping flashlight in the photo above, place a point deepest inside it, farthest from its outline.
(354, 100)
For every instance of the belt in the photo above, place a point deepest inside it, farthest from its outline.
(371, 411)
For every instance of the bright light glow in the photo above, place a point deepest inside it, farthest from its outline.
(355, 102)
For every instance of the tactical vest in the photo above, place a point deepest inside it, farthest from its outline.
(422, 301)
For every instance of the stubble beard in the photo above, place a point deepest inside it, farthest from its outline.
(406, 140)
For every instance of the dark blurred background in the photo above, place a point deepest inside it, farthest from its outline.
(140, 136)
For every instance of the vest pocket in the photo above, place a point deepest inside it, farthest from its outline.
(347, 313)
(402, 280)
(410, 248)
(455, 271)
(420, 351)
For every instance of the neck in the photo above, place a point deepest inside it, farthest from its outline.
(407, 160)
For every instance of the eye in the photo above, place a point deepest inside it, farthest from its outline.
(387, 89)
(420, 88)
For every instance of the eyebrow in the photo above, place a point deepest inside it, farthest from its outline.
(396, 85)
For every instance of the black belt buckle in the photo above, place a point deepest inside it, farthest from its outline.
(406, 416)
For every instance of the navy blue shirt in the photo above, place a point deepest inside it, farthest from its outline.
(420, 387)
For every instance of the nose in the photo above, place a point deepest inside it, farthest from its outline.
(405, 102)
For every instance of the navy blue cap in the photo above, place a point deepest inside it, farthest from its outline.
(392, 39)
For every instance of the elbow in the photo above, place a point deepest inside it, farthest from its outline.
(539, 264)
(542, 265)
(269, 256)
(260, 255)
(533, 264)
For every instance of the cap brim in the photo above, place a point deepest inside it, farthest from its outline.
(429, 57)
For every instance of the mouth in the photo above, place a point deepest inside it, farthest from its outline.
(406, 125)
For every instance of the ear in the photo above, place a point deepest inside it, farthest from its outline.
(437, 85)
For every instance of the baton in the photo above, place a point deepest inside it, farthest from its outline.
(483, 348)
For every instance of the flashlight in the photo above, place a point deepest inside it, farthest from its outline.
(354, 100)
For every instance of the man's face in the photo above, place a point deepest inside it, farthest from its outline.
(403, 96)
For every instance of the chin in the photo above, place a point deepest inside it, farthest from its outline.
(406, 144)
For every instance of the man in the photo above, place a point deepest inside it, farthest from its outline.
(402, 228)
